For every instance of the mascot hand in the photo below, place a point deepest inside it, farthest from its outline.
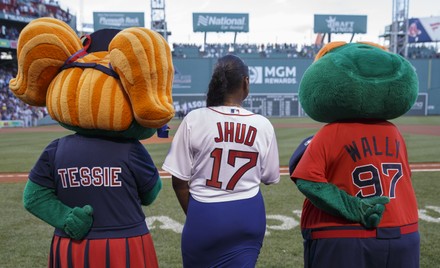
(331, 199)
(371, 210)
(78, 222)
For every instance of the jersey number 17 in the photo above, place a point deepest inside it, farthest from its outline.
(233, 155)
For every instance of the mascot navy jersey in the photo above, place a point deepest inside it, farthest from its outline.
(102, 171)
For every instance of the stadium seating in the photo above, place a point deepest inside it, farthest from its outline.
(245, 50)
(13, 109)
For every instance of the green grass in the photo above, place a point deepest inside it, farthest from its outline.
(19, 151)
(418, 120)
(25, 240)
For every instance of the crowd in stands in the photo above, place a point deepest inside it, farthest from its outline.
(277, 51)
(11, 108)
(245, 50)
(35, 9)
(9, 32)
(423, 52)
(32, 9)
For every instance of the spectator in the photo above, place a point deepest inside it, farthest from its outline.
(11, 107)
(226, 218)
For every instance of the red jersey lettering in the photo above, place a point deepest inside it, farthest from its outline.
(236, 132)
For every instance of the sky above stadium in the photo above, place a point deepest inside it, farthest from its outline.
(274, 21)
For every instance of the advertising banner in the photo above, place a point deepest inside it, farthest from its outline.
(424, 30)
(344, 24)
(11, 123)
(276, 75)
(5, 43)
(220, 22)
(183, 104)
(265, 75)
(117, 20)
(420, 107)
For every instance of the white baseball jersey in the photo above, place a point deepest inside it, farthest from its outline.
(224, 153)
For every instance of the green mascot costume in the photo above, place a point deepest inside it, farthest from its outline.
(360, 208)
(112, 88)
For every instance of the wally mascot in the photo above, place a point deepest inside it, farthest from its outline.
(112, 88)
(360, 208)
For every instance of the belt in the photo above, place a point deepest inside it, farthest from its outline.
(393, 232)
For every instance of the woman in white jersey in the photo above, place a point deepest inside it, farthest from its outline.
(218, 158)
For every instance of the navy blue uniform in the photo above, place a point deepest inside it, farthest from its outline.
(107, 174)
(110, 175)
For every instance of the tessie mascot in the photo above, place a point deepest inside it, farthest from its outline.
(112, 88)
(360, 208)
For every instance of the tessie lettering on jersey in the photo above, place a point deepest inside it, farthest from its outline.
(236, 132)
(84, 176)
(369, 146)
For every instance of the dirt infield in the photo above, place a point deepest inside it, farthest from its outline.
(415, 167)
(431, 130)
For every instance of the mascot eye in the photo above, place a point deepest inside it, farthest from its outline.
(327, 48)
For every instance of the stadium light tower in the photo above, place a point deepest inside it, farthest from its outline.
(158, 21)
(399, 28)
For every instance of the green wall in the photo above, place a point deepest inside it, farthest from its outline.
(279, 77)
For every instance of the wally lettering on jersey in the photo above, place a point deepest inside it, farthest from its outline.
(91, 184)
(354, 172)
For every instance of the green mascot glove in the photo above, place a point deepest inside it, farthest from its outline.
(331, 199)
(78, 222)
(148, 197)
(44, 204)
(371, 210)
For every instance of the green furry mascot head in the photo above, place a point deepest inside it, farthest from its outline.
(357, 81)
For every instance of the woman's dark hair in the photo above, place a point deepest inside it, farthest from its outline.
(227, 77)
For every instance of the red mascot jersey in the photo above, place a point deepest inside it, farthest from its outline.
(364, 159)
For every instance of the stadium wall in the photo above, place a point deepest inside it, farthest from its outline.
(275, 83)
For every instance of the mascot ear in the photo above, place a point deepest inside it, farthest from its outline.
(327, 48)
(43, 47)
(142, 59)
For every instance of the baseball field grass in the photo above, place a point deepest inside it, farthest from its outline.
(25, 240)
